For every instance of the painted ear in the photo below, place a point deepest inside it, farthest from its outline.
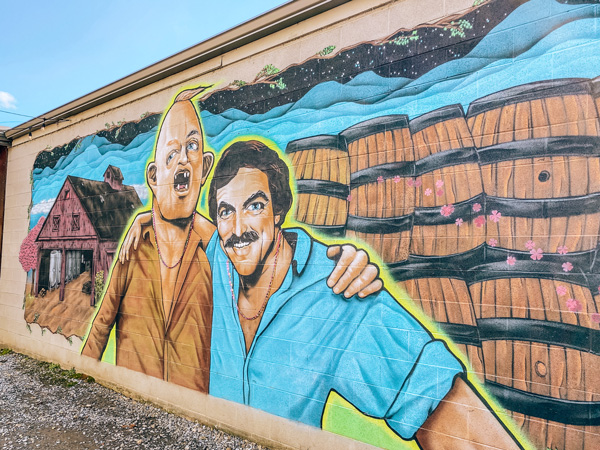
(277, 218)
(207, 164)
(151, 174)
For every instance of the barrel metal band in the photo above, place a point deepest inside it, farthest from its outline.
(377, 225)
(542, 331)
(461, 333)
(330, 230)
(335, 142)
(545, 208)
(485, 263)
(528, 92)
(437, 116)
(374, 126)
(432, 216)
(494, 266)
(569, 412)
(535, 148)
(430, 163)
(323, 187)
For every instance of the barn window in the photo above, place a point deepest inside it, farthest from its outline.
(75, 222)
(55, 223)
(67, 194)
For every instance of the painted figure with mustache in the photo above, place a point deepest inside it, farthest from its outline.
(159, 296)
(283, 342)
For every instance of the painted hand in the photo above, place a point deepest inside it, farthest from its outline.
(353, 273)
(133, 235)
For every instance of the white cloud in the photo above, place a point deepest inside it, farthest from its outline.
(7, 101)
(43, 207)
(142, 191)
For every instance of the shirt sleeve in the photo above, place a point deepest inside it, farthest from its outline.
(391, 368)
(430, 380)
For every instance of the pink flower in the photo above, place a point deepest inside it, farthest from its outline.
(439, 192)
(409, 181)
(574, 305)
(596, 318)
(428, 192)
(447, 210)
(439, 184)
(563, 250)
(536, 255)
(479, 221)
(495, 216)
(476, 207)
(511, 260)
(493, 242)
(418, 182)
(459, 222)
(380, 179)
(561, 290)
(349, 197)
(530, 245)
(397, 179)
(567, 267)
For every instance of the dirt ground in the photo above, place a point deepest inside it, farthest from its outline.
(70, 317)
(45, 407)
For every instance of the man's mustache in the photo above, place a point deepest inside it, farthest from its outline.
(247, 237)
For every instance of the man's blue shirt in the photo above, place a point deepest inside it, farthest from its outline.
(311, 341)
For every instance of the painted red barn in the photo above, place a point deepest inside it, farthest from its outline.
(82, 230)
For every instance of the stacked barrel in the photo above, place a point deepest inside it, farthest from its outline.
(491, 223)
(322, 172)
(539, 150)
(447, 188)
(381, 203)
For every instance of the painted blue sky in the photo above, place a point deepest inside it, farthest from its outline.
(54, 52)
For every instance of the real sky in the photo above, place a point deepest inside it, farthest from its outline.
(54, 52)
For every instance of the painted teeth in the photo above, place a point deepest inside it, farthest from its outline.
(241, 244)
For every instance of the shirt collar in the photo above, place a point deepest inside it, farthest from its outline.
(302, 248)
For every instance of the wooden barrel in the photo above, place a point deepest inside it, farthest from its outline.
(381, 201)
(436, 285)
(537, 322)
(596, 92)
(322, 172)
(541, 347)
(449, 189)
(539, 151)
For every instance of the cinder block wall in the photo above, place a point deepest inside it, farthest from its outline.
(457, 143)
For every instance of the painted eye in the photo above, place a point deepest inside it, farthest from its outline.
(225, 213)
(256, 206)
(192, 146)
(170, 157)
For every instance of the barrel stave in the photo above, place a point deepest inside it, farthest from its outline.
(447, 300)
(320, 159)
(374, 143)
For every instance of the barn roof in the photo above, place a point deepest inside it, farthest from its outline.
(109, 210)
(115, 172)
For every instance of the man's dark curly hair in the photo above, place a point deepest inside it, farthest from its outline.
(253, 154)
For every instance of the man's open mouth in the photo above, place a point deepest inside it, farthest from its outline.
(242, 244)
(182, 180)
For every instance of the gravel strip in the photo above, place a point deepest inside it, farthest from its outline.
(44, 407)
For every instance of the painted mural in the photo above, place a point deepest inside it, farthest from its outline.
(218, 244)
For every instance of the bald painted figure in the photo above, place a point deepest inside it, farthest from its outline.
(160, 298)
